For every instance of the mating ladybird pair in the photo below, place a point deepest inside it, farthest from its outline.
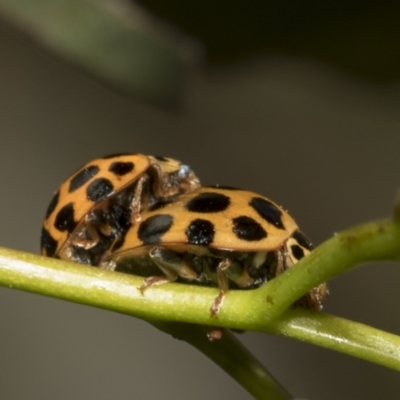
(149, 216)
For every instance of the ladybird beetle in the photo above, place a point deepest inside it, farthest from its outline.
(216, 236)
(96, 205)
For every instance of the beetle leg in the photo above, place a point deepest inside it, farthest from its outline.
(164, 185)
(91, 236)
(229, 269)
(161, 186)
(215, 334)
(171, 264)
(223, 285)
(169, 183)
(236, 272)
(281, 264)
(138, 199)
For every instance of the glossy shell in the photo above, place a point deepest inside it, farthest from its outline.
(104, 183)
(216, 217)
(215, 231)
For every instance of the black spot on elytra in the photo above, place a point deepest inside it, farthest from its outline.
(152, 229)
(268, 211)
(53, 204)
(208, 203)
(118, 155)
(47, 243)
(99, 189)
(65, 219)
(82, 177)
(297, 251)
(247, 228)
(200, 232)
(303, 240)
(121, 168)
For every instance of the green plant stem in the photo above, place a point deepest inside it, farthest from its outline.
(118, 292)
(231, 356)
(374, 241)
(341, 335)
(264, 309)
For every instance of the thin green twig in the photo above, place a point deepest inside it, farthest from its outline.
(374, 241)
(266, 309)
(231, 356)
(341, 335)
(118, 292)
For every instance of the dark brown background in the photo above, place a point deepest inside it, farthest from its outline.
(322, 143)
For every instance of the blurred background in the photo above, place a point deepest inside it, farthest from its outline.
(300, 106)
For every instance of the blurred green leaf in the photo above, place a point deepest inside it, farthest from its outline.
(115, 42)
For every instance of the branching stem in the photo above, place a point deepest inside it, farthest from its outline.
(175, 308)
